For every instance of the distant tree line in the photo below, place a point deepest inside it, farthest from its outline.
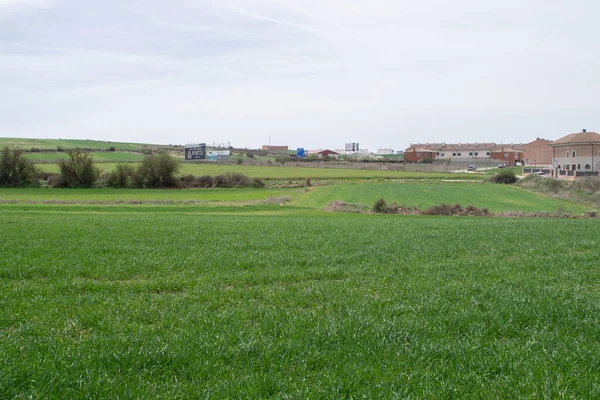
(79, 171)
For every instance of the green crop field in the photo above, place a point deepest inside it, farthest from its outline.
(99, 156)
(27, 144)
(175, 301)
(296, 173)
(496, 198)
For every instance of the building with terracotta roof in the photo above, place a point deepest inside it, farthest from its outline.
(577, 155)
(464, 152)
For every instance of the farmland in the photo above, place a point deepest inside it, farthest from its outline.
(294, 172)
(52, 144)
(156, 302)
(256, 293)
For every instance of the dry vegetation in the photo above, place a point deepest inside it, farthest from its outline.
(585, 191)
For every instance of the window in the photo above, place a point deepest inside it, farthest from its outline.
(568, 153)
(567, 167)
(476, 153)
(443, 154)
(437, 154)
(459, 154)
(418, 154)
(559, 167)
(573, 153)
(471, 154)
(578, 166)
(488, 153)
(505, 155)
(587, 166)
(454, 154)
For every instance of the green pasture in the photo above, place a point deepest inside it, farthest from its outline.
(176, 304)
(295, 172)
(27, 144)
(109, 195)
(495, 197)
(99, 156)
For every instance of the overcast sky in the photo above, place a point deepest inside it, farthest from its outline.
(306, 73)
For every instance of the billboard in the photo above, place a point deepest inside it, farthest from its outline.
(215, 155)
(352, 147)
(300, 152)
(195, 152)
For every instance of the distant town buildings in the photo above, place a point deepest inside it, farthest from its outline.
(465, 152)
(267, 147)
(323, 153)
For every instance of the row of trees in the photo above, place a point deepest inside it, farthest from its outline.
(78, 170)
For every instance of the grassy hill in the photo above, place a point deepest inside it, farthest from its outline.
(53, 144)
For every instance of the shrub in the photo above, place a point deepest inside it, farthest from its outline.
(60, 149)
(111, 148)
(506, 177)
(257, 183)
(379, 206)
(34, 150)
(238, 180)
(446, 209)
(205, 181)
(249, 155)
(121, 177)
(239, 161)
(589, 184)
(15, 170)
(220, 181)
(158, 171)
(308, 183)
(78, 170)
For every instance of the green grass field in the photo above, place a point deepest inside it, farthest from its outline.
(99, 156)
(165, 302)
(295, 173)
(497, 198)
(27, 144)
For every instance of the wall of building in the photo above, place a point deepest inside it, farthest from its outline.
(415, 156)
(585, 154)
(275, 148)
(538, 150)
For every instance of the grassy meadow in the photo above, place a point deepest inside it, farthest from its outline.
(168, 304)
(52, 144)
(259, 293)
(289, 172)
(497, 198)
(99, 156)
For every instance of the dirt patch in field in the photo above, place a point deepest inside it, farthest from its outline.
(448, 210)
(341, 206)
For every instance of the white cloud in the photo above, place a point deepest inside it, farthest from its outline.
(311, 73)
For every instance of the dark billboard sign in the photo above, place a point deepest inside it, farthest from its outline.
(196, 152)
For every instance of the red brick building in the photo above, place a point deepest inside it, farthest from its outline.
(416, 154)
(538, 152)
(507, 154)
(266, 147)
